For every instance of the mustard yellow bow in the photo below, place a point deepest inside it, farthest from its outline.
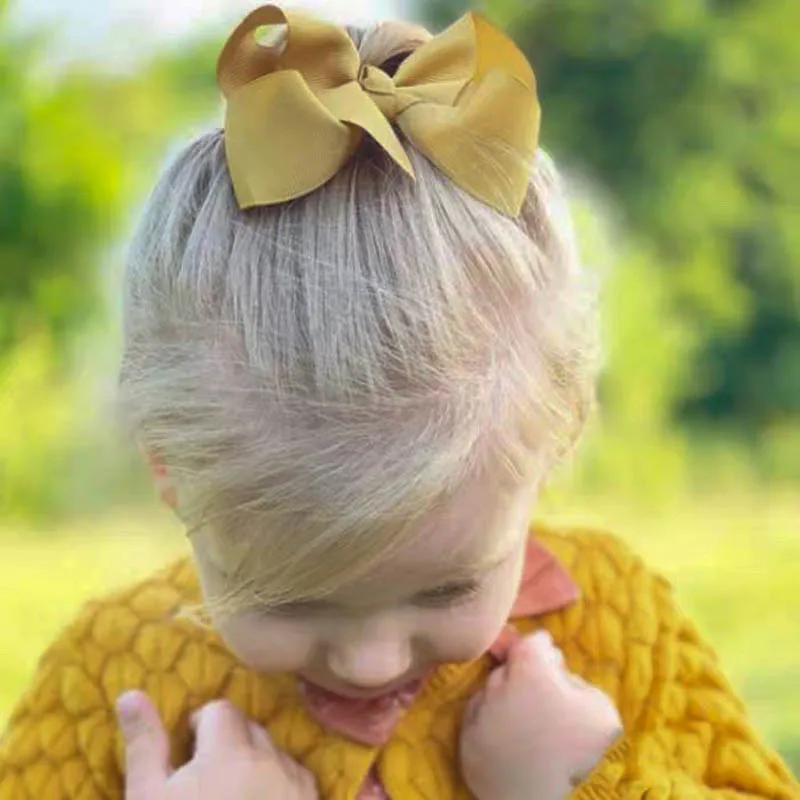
(466, 99)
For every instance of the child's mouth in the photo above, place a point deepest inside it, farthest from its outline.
(356, 695)
(368, 718)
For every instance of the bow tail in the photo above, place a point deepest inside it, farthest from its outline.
(351, 104)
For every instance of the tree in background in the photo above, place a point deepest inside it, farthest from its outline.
(686, 113)
(76, 149)
(72, 148)
(682, 112)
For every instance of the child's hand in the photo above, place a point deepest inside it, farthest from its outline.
(234, 758)
(534, 730)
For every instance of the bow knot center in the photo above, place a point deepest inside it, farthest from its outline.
(380, 87)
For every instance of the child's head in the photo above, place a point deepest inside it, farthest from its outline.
(357, 394)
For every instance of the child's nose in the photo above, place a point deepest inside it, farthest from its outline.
(371, 662)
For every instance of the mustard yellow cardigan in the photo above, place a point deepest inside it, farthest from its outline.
(687, 735)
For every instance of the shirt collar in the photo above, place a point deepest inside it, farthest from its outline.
(546, 586)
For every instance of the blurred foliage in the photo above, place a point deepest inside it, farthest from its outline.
(676, 122)
(78, 146)
(687, 114)
(72, 147)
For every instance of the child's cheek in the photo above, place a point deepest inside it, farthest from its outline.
(268, 645)
(465, 634)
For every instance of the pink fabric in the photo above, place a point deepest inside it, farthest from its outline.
(545, 587)
(370, 722)
(372, 788)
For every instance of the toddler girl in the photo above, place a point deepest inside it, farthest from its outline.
(357, 341)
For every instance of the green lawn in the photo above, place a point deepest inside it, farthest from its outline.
(735, 561)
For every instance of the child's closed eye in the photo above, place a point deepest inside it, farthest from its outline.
(446, 596)
(298, 608)
(449, 595)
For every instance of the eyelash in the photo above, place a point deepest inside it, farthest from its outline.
(296, 609)
(444, 597)
(450, 596)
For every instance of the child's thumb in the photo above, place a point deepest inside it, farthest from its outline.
(536, 653)
(146, 746)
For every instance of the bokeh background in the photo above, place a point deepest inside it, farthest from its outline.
(677, 124)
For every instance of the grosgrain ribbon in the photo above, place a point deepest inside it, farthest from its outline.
(466, 99)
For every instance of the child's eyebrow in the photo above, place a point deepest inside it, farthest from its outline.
(473, 569)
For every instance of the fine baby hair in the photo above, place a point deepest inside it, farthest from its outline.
(320, 373)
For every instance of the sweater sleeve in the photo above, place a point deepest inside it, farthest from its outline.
(60, 739)
(687, 734)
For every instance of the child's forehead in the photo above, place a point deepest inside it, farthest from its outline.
(479, 527)
(455, 542)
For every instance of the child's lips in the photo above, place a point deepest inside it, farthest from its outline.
(366, 717)
(353, 693)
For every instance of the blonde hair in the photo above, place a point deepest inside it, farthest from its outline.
(320, 375)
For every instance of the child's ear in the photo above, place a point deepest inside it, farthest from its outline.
(164, 486)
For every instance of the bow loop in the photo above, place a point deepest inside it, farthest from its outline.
(466, 99)
(324, 54)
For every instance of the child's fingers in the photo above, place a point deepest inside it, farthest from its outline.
(220, 727)
(537, 656)
(595, 741)
(260, 738)
(532, 655)
(147, 764)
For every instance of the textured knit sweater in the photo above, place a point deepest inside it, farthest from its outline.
(687, 736)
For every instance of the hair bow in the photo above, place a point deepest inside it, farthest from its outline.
(466, 99)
